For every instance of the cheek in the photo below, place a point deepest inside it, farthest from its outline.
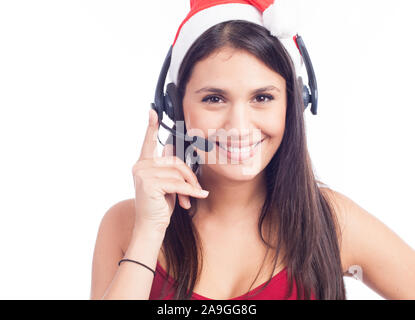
(273, 125)
(198, 124)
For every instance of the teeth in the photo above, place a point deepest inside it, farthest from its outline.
(239, 150)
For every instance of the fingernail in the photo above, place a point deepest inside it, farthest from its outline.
(204, 192)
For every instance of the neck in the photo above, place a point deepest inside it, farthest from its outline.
(231, 201)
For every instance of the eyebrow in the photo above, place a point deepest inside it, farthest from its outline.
(221, 91)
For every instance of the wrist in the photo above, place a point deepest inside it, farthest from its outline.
(145, 245)
(150, 232)
(150, 228)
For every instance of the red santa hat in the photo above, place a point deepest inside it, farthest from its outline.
(280, 17)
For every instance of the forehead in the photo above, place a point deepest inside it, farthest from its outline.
(229, 65)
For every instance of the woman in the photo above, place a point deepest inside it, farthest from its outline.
(270, 232)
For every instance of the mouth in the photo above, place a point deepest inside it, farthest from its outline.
(239, 154)
(237, 149)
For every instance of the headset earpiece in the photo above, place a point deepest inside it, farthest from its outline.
(306, 96)
(173, 103)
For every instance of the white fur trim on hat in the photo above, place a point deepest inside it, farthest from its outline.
(280, 18)
(203, 20)
(295, 55)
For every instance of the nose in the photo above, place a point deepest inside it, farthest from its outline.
(239, 120)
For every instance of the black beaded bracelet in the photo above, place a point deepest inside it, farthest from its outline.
(137, 263)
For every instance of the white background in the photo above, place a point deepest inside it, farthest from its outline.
(76, 81)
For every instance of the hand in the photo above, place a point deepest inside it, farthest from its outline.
(157, 180)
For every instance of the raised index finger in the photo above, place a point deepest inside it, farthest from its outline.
(149, 148)
(168, 149)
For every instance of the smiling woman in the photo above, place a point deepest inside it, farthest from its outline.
(267, 229)
(236, 76)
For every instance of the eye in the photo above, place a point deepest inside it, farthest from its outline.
(214, 99)
(269, 97)
(209, 99)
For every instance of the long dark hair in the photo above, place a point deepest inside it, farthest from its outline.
(295, 209)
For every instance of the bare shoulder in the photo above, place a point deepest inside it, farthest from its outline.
(113, 237)
(383, 260)
(121, 216)
(341, 206)
(339, 203)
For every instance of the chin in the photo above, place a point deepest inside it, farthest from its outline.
(237, 173)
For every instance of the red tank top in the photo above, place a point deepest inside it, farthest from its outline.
(276, 289)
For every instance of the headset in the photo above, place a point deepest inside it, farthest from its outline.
(170, 102)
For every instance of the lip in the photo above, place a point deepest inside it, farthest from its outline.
(240, 144)
(239, 156)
